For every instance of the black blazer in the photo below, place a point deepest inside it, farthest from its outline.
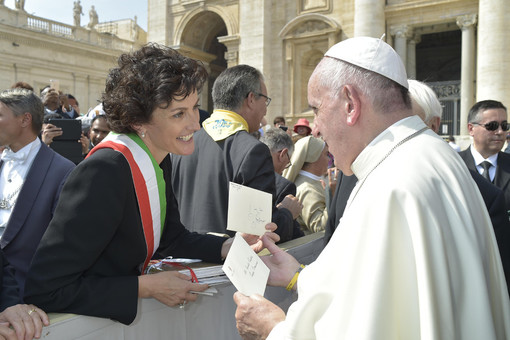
(502, 178)
(89, 260)
(9, 294)
(494, 199)
(285, 187)
(343, 190)
(201, 181)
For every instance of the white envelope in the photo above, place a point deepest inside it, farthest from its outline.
(249, 210)
(247, 272)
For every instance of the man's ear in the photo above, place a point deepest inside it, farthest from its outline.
(470, 129)
(434, 124)
(26, 120)
(351, 104)
(250, 99)
(282, 156)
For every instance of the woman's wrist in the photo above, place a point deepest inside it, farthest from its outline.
(225, 247)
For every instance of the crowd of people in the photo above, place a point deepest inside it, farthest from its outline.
(417, 234)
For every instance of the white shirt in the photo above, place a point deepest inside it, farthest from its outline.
(478, 158)
(414, 256)
(12, 176)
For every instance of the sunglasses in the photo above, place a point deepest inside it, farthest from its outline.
(284, 128)
(493, 126)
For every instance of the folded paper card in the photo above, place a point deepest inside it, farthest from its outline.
(245, 269)
(249, 210)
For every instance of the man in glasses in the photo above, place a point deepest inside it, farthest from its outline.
(226, 152)
(487, 124)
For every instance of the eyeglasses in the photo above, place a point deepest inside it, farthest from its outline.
(268, 100)
(284, 128)
(288, 156)
(494, 125)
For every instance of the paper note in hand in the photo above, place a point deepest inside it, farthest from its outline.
(245, 269)
(249, 210)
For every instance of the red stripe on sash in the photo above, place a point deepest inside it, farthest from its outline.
(141, 193)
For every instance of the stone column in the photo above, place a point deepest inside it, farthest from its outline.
(255, 27)
(369, 18)
(493, 51)
(467, 75)
(411, 56)
(401, 33)
(232, 53)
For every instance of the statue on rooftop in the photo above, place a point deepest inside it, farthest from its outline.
(93, 20)
(77, 13)
(19, 4)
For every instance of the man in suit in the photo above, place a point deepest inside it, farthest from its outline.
(281, 147)
(226, 152)
(31, 177)
(487, 124)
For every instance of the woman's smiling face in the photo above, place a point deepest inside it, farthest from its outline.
(171, 129)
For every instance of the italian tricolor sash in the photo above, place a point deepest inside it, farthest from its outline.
(149, 185)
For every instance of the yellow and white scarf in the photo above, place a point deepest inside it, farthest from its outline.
(223, 124)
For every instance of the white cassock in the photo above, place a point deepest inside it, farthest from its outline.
(414, 256)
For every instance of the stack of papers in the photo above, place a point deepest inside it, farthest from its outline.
(205, 273)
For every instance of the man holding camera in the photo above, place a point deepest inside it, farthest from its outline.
(31, 177)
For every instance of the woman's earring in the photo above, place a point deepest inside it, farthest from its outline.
(142, 134)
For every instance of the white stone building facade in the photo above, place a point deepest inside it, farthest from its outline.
(459, 47)
(36, 50)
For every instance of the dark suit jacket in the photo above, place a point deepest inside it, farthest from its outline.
(201, 181)
(502, 178)
(344, 187)
(34, 209)
(9, 293)
(89, 260)
(285, 187)
(494, 199)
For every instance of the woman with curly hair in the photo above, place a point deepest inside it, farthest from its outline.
(117, 209)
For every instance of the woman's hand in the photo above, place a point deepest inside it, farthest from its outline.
(171, 287)
(254, 241)
(27, 322)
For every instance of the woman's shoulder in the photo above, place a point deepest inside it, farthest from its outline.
(104, 162)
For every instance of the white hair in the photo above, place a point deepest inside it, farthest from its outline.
(426, 99)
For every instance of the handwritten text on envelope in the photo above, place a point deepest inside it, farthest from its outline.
(249, 210)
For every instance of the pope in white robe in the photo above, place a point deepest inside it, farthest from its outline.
(423, 264)
(414, 255)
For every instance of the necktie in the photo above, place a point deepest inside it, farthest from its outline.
(9, 155)
(486, 165)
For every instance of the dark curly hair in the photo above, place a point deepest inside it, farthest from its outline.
(146, 79)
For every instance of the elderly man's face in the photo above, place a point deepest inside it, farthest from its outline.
(329, 123)
(486, 142)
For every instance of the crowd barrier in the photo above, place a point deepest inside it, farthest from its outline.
(209, 318)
